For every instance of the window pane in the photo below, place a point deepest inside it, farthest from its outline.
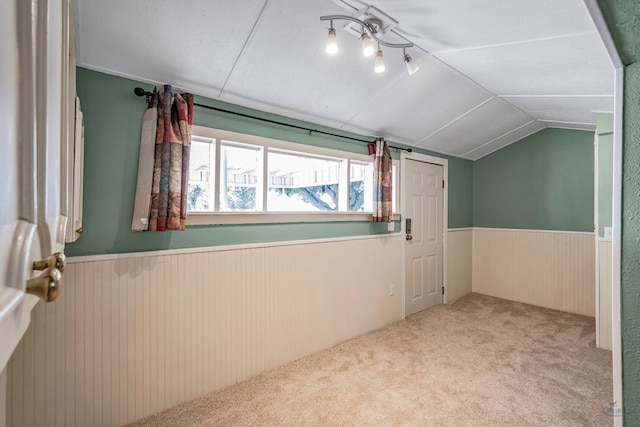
(360, 187)
(239, 177)
(299, 183)
(200, 191)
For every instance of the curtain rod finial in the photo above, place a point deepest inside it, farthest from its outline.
(140, 92)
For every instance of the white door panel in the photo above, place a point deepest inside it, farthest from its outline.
(31, 34)
(424, 247)
(51, 226)
(18, 214)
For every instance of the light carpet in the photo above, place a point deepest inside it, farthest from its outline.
(480, 361)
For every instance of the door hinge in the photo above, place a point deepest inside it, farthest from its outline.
(443, 183)
(443, 290)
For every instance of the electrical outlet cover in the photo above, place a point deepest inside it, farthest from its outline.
(608, 233)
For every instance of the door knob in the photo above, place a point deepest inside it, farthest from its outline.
(47, 285)
(409, 237)
(54, 261)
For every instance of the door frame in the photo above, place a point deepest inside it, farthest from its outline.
(596, 235)
(404, 156)
(616, 334)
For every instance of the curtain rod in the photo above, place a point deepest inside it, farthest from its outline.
(141, 92)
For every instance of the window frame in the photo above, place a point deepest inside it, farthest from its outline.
(268, 217)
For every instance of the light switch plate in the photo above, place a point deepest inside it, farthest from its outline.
(608, 233)
(391, 226)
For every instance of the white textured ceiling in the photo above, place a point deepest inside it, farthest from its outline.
(491, 71)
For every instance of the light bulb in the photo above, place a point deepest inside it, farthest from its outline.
(412, 67)
(379, 65)
(368, 47)
(332, 42)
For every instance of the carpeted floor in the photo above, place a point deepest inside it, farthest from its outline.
(480, 361)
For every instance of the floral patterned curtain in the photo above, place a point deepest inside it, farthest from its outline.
(171, 163)
(382, 191)
(168, 189)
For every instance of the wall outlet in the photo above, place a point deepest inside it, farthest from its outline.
(391, 226)
(608, 233)
(392, 290)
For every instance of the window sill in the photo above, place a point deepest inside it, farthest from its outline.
(219, 218)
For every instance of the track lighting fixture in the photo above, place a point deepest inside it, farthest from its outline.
(369, 32)
(368, 47)
(332, 43)
(379, 64)
(412, 67)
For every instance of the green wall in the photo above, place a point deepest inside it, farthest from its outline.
(630, 251)
(604, 129)
(543, 182)
(112, 118)
(460, 192)
(624, 25)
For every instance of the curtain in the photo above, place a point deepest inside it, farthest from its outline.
(170, 167)
(382, 191)
(142, 201)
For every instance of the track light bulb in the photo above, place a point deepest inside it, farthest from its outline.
(368, 47)
(332, 42)
(379, 65)
(412, 67)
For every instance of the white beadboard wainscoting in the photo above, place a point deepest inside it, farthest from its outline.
(553, 269)
(131, 336)
(605, 320)
(460, 262)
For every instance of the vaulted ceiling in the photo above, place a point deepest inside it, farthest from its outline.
(491, 71)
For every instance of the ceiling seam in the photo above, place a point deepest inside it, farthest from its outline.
(512, 142)
(345, 5)
(555, 96)
(394, 82)
(466, 77)
(244, 46)
(515, 43)
(502, 136)
(502, 97)
(455, 120)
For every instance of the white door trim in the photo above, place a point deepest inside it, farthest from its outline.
(445, 224)
(616, 342)
(596, 233)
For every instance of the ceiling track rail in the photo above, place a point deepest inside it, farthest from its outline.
(141, 92)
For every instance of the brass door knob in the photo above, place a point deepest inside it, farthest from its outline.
(47, 285)
(54, 261)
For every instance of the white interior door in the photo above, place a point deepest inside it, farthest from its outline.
(18, 217)
(424, 246)
(31, 34)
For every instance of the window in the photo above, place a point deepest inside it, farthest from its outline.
(361, 187)
(243, 178)
(303, 183)
(200, 188)
(240, 166)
